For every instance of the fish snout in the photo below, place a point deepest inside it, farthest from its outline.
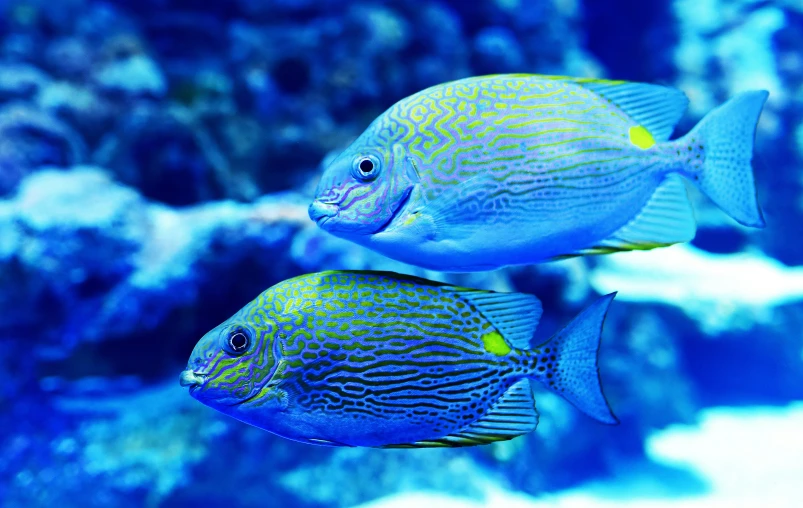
(191, 378)
(320, 211)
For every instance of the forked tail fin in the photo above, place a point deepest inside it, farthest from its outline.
(567, 363)
(727, 134)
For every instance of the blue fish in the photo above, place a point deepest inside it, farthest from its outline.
(379, 359)
(504, 170)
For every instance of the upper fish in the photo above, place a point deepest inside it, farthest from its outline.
(502, 170)
(380, 359)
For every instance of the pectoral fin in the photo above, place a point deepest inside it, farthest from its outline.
(461, 208)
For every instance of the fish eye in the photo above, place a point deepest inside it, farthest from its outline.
(238, 341)
(366, 167)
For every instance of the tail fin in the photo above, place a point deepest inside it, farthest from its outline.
(567, 363)
(727, 136)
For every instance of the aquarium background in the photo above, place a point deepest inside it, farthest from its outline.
(156, 161)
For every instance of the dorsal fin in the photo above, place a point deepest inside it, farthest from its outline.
(666, 219)
(514, 315)
(513, 414)
(657, 108)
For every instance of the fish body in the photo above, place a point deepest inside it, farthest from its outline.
(515, 169)
(384, 360)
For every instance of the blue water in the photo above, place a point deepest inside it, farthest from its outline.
(156, 161)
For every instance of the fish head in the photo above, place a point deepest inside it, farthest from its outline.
(364, 188)
(232, 365)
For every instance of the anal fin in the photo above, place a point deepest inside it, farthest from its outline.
(666, 219)
(513, 415)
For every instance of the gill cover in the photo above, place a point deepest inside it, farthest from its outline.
(363, 188)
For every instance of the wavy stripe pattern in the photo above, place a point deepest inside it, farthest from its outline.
(367, 346)
(548, 139)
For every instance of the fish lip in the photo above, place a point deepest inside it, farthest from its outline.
(322, 211)
(399, 209)
(193, 380)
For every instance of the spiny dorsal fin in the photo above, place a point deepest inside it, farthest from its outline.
(513, 414)
(514, 315)
(666, 219)
(657, 108)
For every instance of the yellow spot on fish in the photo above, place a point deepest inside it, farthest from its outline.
(409, 220)
(495, 344)
(641, 137)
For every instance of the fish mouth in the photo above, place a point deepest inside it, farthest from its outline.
(322, 212)
(193, 380)
(398, 211)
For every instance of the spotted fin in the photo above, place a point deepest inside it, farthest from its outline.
(657, 108)
(514, 315)
(727, 134)
(568, 363)
(513, 414)
(666, 219)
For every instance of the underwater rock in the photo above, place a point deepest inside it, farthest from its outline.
(104, 263)
(74, 239)
(188, 44)
(134, 76)
(20, 47)
(168, 155)
(80, 107)
(111, 242)
(125, 70)
(69, 58)
(30, 138)
(20, 81)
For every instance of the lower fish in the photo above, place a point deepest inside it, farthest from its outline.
(378, 359)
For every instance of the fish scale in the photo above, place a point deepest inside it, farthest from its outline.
(386, 360)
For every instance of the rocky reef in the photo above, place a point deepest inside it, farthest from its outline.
(156, 163)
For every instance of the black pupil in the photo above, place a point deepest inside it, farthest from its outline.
(238, 341)
(366, 166)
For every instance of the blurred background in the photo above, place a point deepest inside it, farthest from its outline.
(156, 161)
